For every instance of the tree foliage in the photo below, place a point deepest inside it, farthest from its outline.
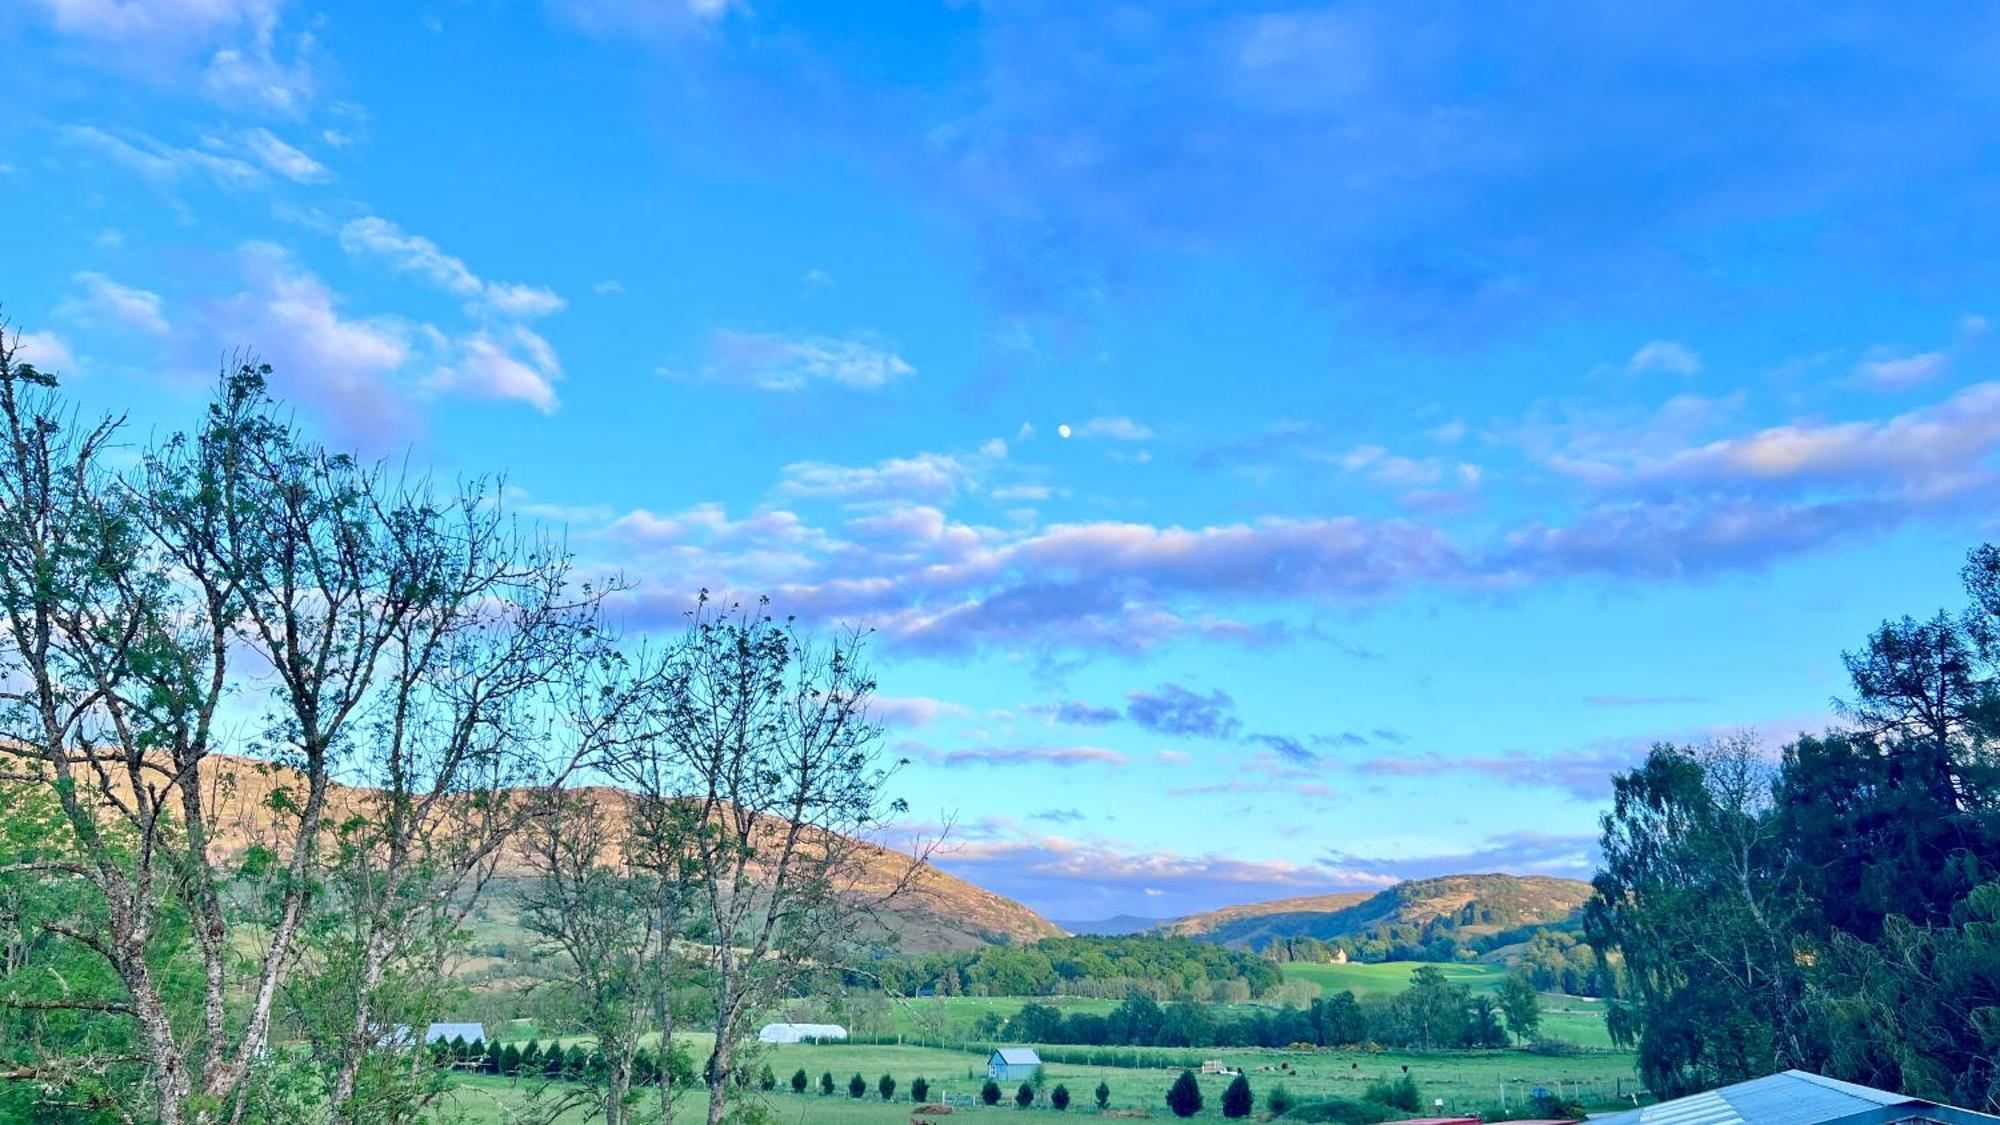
(1831, 910)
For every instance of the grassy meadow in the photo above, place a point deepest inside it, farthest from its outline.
(1387, 977)
(1465, 1080)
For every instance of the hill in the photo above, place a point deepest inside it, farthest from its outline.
(1205, 924)
(938, 912)
(1412, 913)
(1117, 925)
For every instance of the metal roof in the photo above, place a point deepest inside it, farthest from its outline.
(1019, 1056)
(1794, 1098)
(448, 1031)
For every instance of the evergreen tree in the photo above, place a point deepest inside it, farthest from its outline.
(510, 1060)
(920, 1089)
(1184, 1096)
(766, 1079)
(1237, 1100)
(800, 1081)
(886, 1087)
(1025, 1096)
(825, 1083)
(1059, 1097)
(990, 1093)
(1103, 1095)
(857, 1086)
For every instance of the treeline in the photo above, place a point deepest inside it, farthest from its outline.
(1433, 940)
(1433, 1013)
(1836, 909)
(1162, 967)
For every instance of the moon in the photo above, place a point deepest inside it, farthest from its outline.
(1063, 431)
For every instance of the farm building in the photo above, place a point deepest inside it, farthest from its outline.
(446, 1032)
(800, 1032)
(1011, 1064)
(1797, 1098)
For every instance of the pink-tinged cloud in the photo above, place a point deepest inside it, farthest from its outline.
(1023, 755)
(914, 710)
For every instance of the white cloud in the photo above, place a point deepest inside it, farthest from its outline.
(164, 165)
(1668, 356)
(106, 299)
(46, 351)
(412, 253)
(283, 159)
(1116, 428)
(926, 476)
(517, 365)
(772, 362)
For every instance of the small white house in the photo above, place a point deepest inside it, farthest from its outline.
(800, 1032)
(1009, 1064)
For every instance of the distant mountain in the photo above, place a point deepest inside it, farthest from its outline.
(1462, 905)
(1115, 926)
(938, 912)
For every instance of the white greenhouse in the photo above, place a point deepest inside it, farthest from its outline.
(800, 1032)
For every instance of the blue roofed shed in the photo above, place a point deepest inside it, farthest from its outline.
(1795, 1097)
(1013, 1064)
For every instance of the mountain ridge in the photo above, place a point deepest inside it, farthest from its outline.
(1419, 910)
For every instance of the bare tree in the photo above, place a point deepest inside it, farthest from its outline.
(598, 909)
(770, 779)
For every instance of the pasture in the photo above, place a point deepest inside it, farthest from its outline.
(1467, 1080)
(1386, 977)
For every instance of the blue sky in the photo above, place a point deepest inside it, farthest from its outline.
(1459, 399)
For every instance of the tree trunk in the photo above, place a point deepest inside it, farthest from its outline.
(359, 1035)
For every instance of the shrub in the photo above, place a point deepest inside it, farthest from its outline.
(920, 1089)
(1339, 1111)
(990, 1093)
(1103, 1095)
(825, 1083)
(1237, 1100)
(800, 1081)
(1025, 1096)
(1401, 1093)
(1059, 1097)
(857, 1086)
(1554, 1048)
(765, 1079)
(886, 1087)
(1279, 1101)
(1184, 1096)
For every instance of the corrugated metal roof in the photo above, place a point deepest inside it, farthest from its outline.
(1019, 1056)
(447, 1031)
(1791, 1098)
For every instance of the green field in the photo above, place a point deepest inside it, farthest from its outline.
(1391, 976)
(1466, 1080)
